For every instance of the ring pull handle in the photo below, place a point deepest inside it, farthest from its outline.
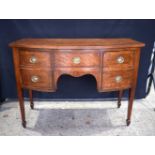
(34, 79)
(33, 59)
(118, 79)
(120, 60)
(76, 60)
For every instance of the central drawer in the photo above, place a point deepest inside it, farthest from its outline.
(77, 58)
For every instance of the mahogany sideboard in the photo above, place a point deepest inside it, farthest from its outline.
(39, 63)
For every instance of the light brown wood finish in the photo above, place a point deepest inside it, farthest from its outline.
(119, 98)
(36, 78)
(19, 85)
(86, 43)
(77, 72)
(40, 62)
(31, 99)
(34, 58)
(132, 90)
(116, 80)
(111, 60)
(87, 58)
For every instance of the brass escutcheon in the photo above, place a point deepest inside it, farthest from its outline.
(118, 78)
(76, 60)
(34, 78)
(33, 59)
(120, 60)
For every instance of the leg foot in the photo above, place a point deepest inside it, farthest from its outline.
(32, 106)
(130, 105)
(118, 105)
(128, 122)
(119, 98)
(24, 124)
(31, 99)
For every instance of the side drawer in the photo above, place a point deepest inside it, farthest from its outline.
(118, 60)
(34, 58)
(36, 78)
(117, 79)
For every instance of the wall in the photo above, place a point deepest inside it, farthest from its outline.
(69, 87)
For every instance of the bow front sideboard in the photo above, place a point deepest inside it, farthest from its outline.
(39, 63)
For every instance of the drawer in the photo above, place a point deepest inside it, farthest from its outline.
(117, 79)
(36, 78)
(118, 60)
(34, 58)
(77, 58)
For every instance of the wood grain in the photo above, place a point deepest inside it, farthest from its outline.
(42, 58)
(109, 79)
(79, 43)
(19, 85)
(132, 90)
(110, 60)
(44, 78)
(76, 57)
(88, 58)
(77, 72)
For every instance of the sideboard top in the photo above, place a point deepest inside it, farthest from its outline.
(76, 43)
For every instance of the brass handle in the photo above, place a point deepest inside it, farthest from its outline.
(34, 79)
(33, 59)
(120, 60)
(76, 60)
(118, 79)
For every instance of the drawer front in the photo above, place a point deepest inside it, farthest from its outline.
(118, 60)
(117, 79)
(36, 78)
(77, 59)
(34, 58)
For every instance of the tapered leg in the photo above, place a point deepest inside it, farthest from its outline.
(119, 98)
(19, 86)
(130, 105)
(31, 99)
(22, 107)
(133, 86)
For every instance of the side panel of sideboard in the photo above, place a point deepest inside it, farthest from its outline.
(117, 71)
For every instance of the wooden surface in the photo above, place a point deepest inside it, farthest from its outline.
(43, 59)
(88, 58)
(109, 81)
(39, 63)
(76, 43)
(110, 60)
(44, 78)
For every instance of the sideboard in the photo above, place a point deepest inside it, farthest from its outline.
(38, 64)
